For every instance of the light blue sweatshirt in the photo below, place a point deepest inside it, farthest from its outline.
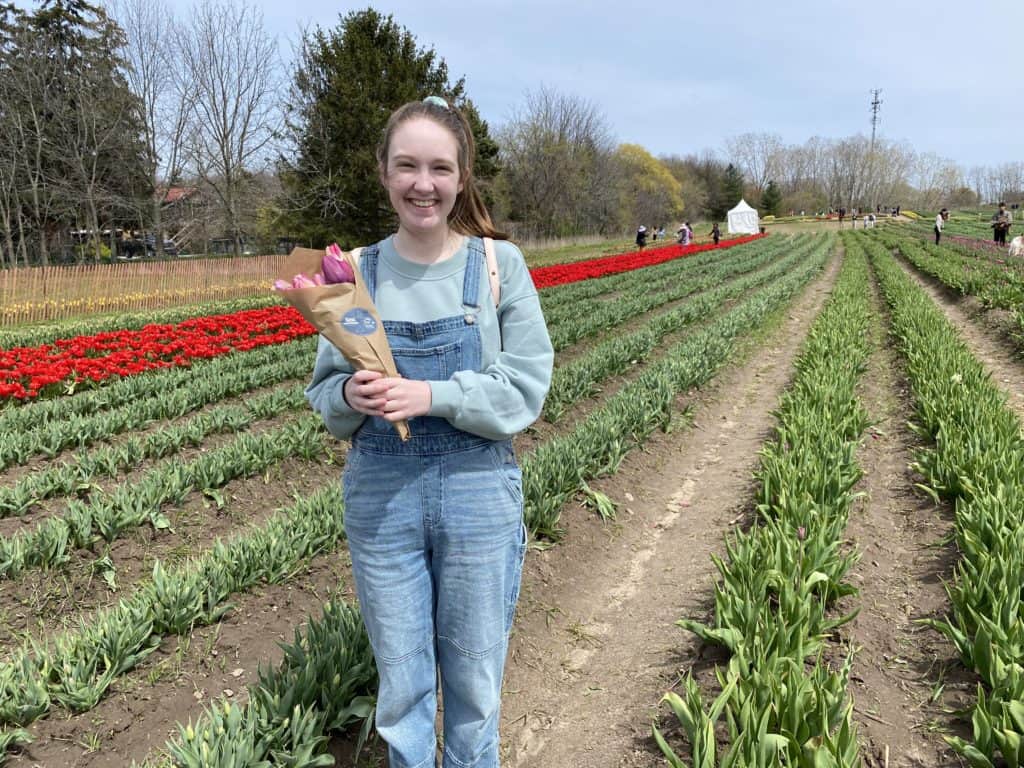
(497, 402)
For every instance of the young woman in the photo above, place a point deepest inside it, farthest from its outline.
(434, 524)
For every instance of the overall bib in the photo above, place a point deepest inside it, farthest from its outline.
(435, 531)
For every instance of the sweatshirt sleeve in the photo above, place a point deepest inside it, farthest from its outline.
(330, 372)
(507, 396)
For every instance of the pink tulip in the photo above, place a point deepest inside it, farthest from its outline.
(318, 278)
(282, 285)
(301, 281)
(336, 267)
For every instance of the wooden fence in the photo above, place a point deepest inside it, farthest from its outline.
(36, 294)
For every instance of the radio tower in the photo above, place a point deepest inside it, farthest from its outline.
(875, 104)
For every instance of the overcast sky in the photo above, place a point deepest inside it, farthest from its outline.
(681, 76)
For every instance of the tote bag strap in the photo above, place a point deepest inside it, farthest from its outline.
(492, 270)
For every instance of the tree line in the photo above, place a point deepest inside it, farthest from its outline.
(121, 118)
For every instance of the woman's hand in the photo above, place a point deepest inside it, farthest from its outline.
(365, 392)
(394, 399)
(406, 398)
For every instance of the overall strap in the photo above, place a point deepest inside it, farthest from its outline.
(366, 258)
(471, 278)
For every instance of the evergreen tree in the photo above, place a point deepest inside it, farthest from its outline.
(347, 82)
(732, 189)
(72, 122)
(771, 199)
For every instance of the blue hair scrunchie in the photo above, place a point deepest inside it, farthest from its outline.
(437, 101)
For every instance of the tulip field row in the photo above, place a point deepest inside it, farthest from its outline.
(137, 426)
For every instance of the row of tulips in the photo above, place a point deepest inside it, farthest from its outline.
(28, 372)
(326, 683)
(641, 299)
(583, 376)
(107, 516)
(109, 460)
(559, 468)
(558, 274)
(976, 461)
(164, 383)
(222, 378)
(997, 284)
(566, 303)
(48, 333)
(781, 577)
(74, 670)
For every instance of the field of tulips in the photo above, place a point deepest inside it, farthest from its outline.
(162, 483)
(210, 401)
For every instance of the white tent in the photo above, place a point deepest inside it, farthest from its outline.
(744, 219)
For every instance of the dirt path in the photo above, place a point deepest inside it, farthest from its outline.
(595, 644)
(984, 341)
(900, 665)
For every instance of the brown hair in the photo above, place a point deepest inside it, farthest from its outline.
(469, 216)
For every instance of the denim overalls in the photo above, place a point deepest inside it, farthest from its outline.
(435, 531)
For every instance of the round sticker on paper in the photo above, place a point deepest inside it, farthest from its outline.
(359, 322)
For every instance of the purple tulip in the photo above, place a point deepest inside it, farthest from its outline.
(336, 267)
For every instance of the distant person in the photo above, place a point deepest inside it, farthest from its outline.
(715, 233)
(1001, 221)
(641, 237)
(661, 232)
(940, 219)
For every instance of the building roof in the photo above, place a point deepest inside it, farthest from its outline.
(177, 194)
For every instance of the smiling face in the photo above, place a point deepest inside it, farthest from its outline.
(421, 174)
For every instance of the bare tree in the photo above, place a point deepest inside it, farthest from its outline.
(757, 155)
(231, 63)
(166, 97)
(557, 169)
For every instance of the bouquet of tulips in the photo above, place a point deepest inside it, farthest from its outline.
(328, 290)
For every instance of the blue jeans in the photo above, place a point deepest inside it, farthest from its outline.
(437, 543)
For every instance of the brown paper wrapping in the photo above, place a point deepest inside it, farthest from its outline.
(344, 314)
